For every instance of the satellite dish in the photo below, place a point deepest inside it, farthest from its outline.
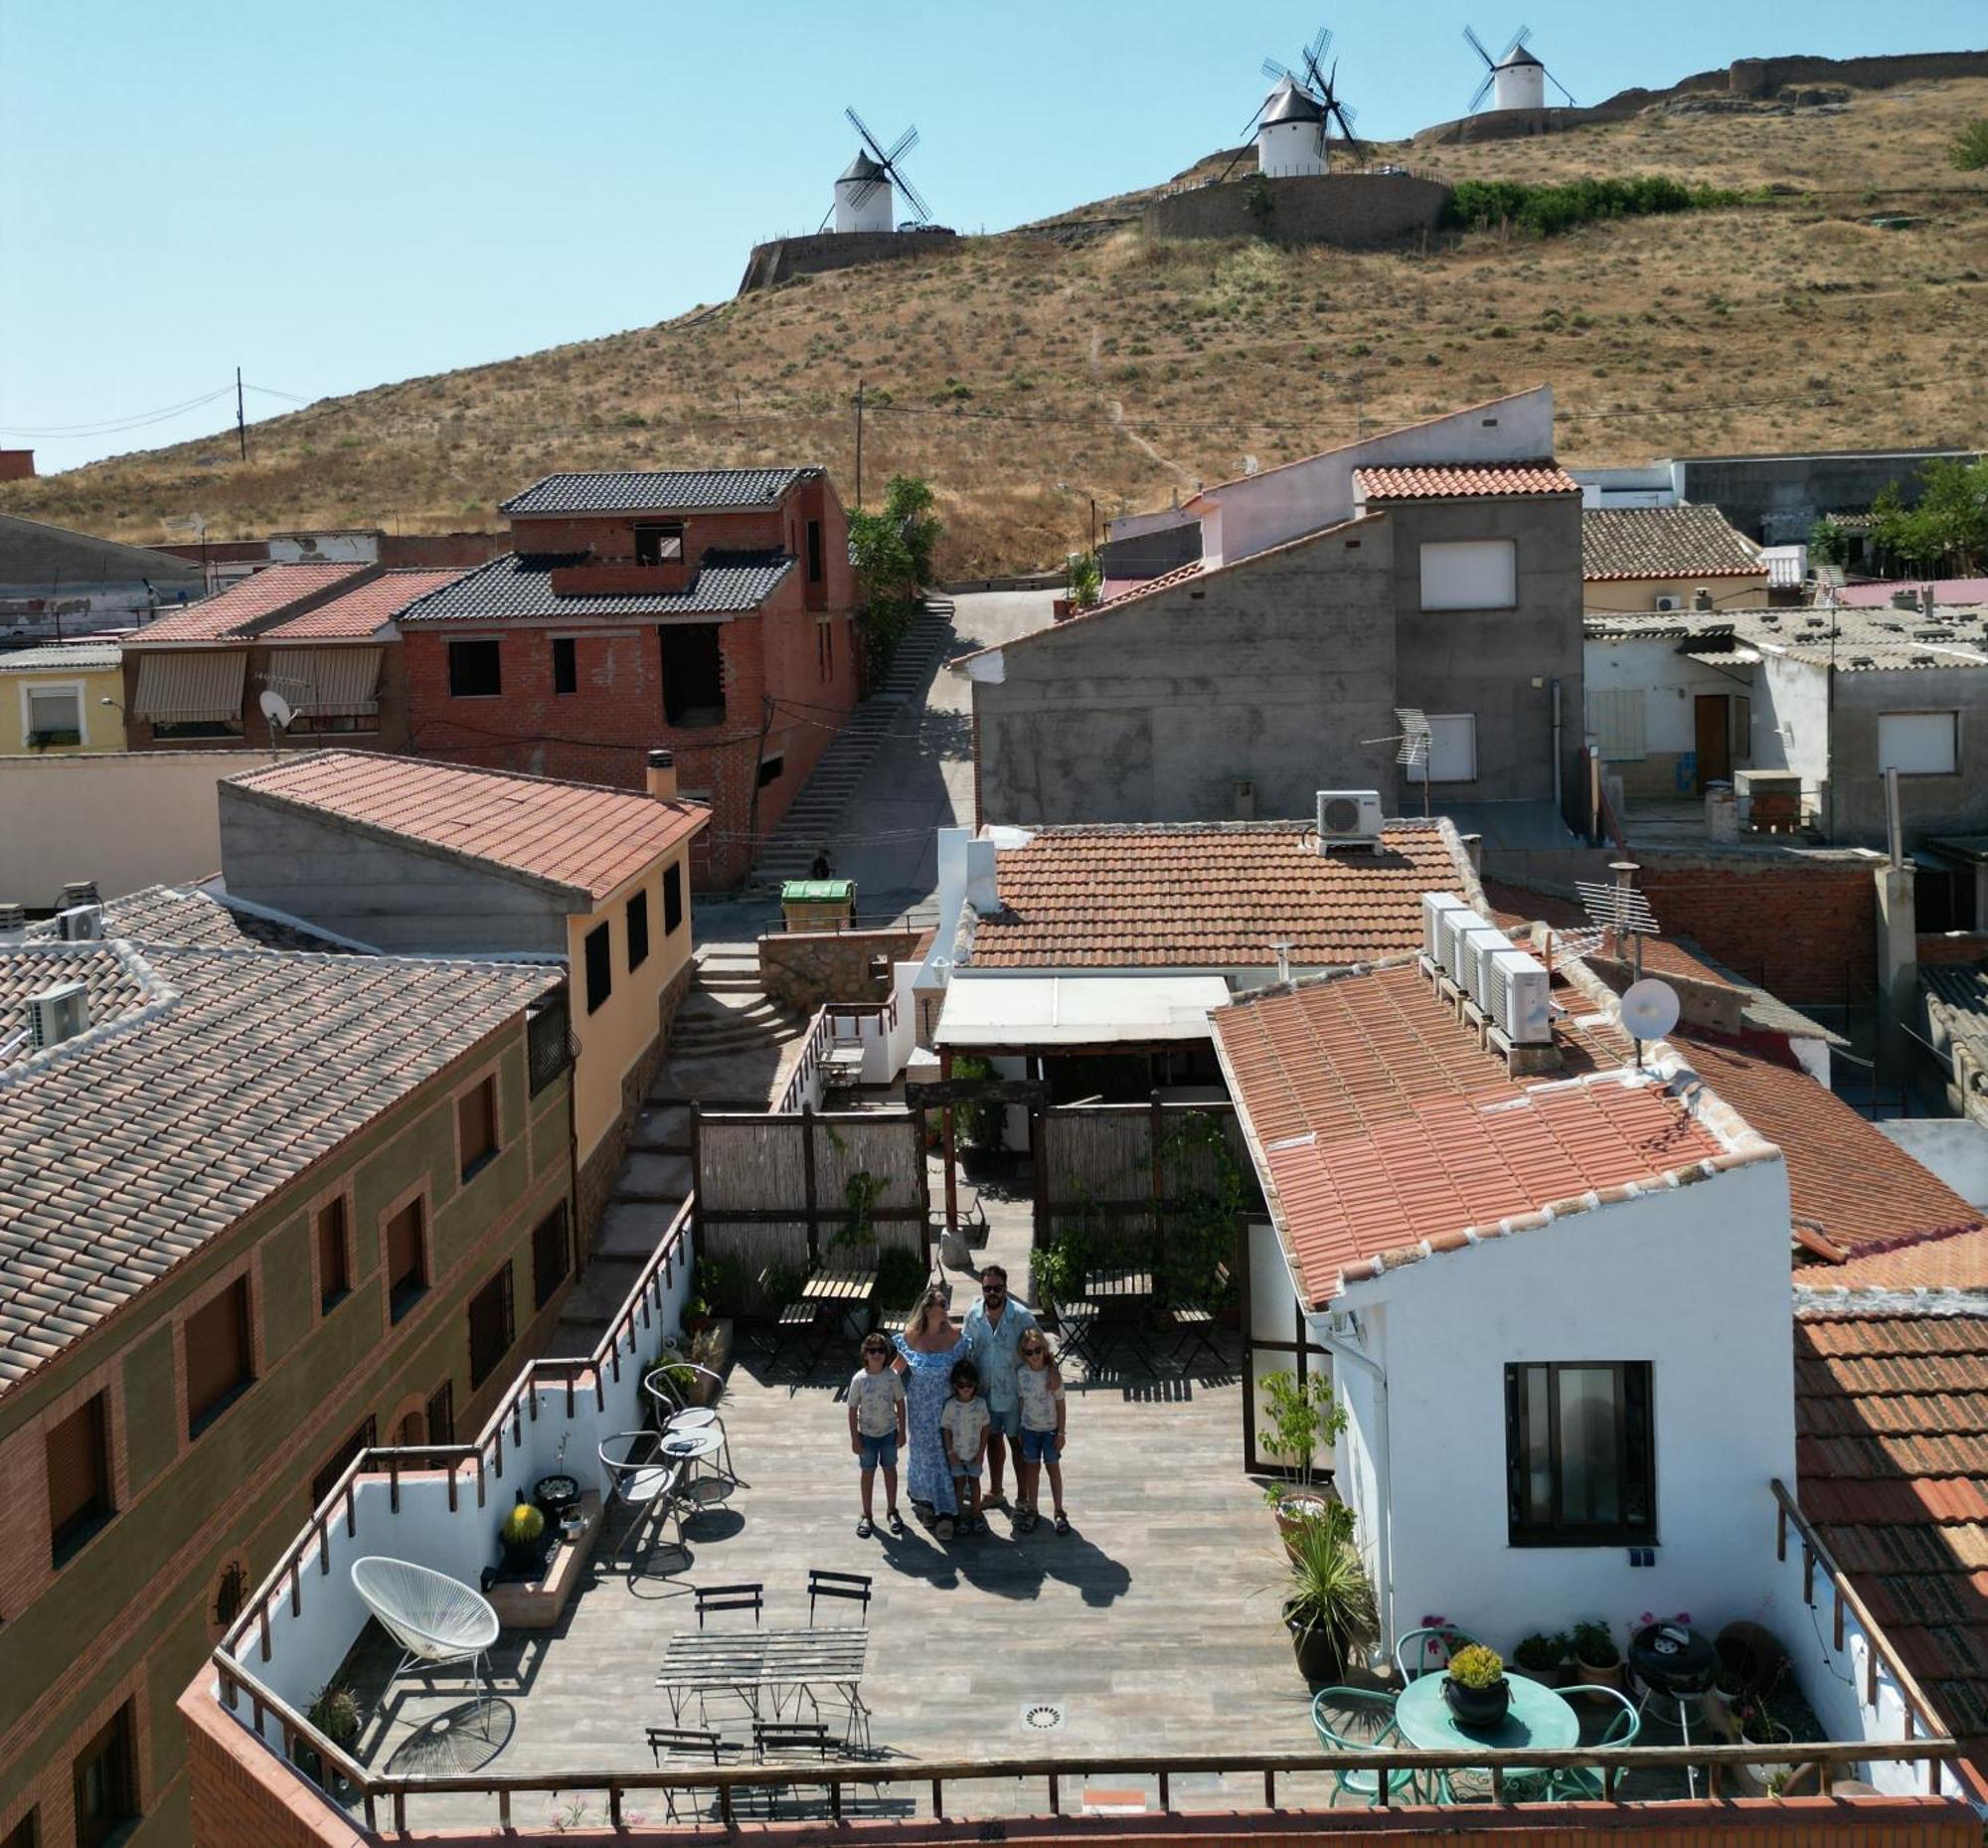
(276, 709)
(1650, 1009)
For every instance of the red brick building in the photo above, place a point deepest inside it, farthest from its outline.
(709, 612)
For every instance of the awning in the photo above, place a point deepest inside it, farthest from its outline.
(1723, 657)
(328, 682)
(993, 1011)
(194, 688)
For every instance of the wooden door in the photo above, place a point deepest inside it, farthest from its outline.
(1713, 736)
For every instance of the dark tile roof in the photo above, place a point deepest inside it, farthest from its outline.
(1664, 542)
(654, 490)
(1957, 994)
(519, 585)
(224, 1075)
(178, 918)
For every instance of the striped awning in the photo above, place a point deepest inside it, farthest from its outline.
(328, 682)
(201, 687)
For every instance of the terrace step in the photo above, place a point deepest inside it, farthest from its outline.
(661, 1130)
(645, 1177)
(595, 1300)
(632, 1228)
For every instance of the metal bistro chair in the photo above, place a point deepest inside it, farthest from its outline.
(642, 1482)
(438, 1621)
(712, 1597)
(675, 1413)
(1621, 1723)
(1359, 1720)
(1422, 1651)
(1076, 1332)
(776, 1742)
(688, 1748)
(854, 1586)
(1194, 1322)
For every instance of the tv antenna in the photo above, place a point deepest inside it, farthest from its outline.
(1411, 746)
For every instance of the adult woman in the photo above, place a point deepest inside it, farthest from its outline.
(929, 1349)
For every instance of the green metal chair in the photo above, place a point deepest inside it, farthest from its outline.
(1359, 1720)
(1619, 1722)
(1422, 1651)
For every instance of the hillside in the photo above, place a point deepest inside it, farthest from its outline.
(1126, 371)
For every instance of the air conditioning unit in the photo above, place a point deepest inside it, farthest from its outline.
(1518, 996)
(81, 923)
(1435, 906)
(58, 1014)
(1349, 819)
(1666, 605)
(1480, 947)
(1464, 938)
(1449, 925)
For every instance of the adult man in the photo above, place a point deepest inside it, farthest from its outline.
(994, 1328)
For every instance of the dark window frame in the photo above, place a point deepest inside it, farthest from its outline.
(408, 1287)
(673, 898)
(637, 922)
(114, 1746)
(366, 1437)
(492, 1315)
(82, 1523)
(459, 673)
(481, 1095)
(772, 769)
(597, 952)
(202, 1417)
(25, 1833)
(814, 552)
(565, 664)
(441, 1414)
(651, 541)
(334, 1283)
(552, 1256)
(1635, 1458)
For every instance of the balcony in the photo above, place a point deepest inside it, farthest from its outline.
(1138, 1659)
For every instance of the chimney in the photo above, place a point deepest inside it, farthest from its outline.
(13, 923)
(77, 891)
(663, 775)
(983, 893)
(1701, 599)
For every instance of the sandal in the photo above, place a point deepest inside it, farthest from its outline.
(944, 1528)
(864, 1528)
(896, 1522)
(1061, 1522)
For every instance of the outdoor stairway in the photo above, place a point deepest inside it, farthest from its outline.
(816, 812)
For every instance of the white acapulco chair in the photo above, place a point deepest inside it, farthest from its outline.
(438, 1621)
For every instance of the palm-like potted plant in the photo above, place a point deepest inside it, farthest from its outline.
(1475, 1686)
(1328, 1598)
(1303, 1419)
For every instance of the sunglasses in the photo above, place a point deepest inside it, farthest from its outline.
(993, 1289)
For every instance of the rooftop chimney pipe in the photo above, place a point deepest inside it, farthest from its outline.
(78, 892)
(13, 922)
(663, 775)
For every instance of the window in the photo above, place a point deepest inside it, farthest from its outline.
(477, 1127)
(106, 1782)
(334, 1259)
(53, 714)
(547, 1051)
(326, 1479)
(231, 1595)
(27, 1833)
(406, 1259)
(1920, 744)
(565, 664)
(824, 646)
(814, 552)
(772, 769)
(219, 1364)
(599, 969)
(1615, 717)
(1452, 756)
(441, 1414)
(196, 728)
(473, 670)
(673, 898)
(551, 1256)
(79, 1477)
(490, 1326)
(638, 931)
(658, 541)
(692, 674)
(1471, 574)
(1578, 1453)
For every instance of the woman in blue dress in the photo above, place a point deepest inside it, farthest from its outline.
(929, 1350)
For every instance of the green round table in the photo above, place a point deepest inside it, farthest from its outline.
(1536, 1717)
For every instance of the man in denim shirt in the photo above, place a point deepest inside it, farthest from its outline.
(994, 1328)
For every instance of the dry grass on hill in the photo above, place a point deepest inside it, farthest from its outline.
(1021, 375)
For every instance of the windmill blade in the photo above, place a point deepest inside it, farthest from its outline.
(1232, 159)
(1477, 45)
(913, 197)
(1561, 87)
(1277, 71)
(1514, 41)
(1481, 91)
(863, 128)
(1250, 128)
(1316, 50)
(865, 193)
(825, 216)
(903, 146)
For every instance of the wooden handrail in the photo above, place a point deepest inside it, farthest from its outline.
(1917, 1706)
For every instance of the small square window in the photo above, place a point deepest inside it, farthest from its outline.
(475, 670)
(638, 931)
(476, 1126)
(406, 1258)
(219, 1356)
(599, 969)
(659, 542)
(80, 1493)
(565, 664)
(673, 898)
(772, 769)
(334, 1262)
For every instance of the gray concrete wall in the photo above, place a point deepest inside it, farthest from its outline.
(1276, 670)
(787, 258)
(1957, 804)
(1777, 499)
(1336, 207)
(1486, 661)
(392, 897)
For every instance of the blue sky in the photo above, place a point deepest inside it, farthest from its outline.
(336, 195)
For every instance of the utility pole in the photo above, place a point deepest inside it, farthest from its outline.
(241, 421)
(858, 444)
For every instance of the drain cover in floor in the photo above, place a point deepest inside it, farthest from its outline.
(1043, 1717)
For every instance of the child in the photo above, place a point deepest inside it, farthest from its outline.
(1041, 1400)
(963, 1424)
(876, 1428)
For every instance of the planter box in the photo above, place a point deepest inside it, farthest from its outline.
(537, 1603)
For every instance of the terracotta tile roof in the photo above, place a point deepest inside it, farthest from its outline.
(519, 585)
(73, 657)
(124, 1152)
(1211, 895)
(365, 611)
(1381, 1125)
(1891, 1452)
(654, 490)
(1469, 481)
(245, 605)
(1664, 542)
(579, 838)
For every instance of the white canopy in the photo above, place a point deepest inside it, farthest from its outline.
(987, 1012)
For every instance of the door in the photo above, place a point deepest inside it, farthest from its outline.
(1275, 1339)
(1712, 731)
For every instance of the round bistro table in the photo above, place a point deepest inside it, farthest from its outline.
(1536, 1717)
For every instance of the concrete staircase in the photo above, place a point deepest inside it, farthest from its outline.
(654, 1180)
(816, 812)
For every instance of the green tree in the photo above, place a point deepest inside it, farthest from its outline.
(893, 551)
(1087, 580)
(1948, 528)
(1968, 150)
(1828, 543)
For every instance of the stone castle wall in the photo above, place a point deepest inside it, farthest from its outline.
(1350, 208)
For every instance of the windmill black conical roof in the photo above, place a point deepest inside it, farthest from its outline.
(1291, 105)
(864, 168)
(1518, 55)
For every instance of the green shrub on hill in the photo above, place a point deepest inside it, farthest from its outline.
(1486, 205)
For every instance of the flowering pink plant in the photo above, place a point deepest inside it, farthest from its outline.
(1681, 1617)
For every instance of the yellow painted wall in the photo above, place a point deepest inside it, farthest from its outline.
(623, 1028)
(102, 726)
(1639, 595)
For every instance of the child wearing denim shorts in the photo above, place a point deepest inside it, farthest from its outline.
(1040, 1387)
(965, 1425)
(877, 1429)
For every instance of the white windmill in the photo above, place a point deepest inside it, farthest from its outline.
(864, 195)
(1515, 79)
(1293, 125)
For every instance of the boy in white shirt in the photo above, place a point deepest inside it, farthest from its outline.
(876, 1430)
(963, 1424)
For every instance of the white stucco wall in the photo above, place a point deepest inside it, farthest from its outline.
(1954, 1148)
(1791, 721)
(1669, 681)
(1693, 1279)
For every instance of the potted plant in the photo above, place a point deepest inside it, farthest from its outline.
(1328, 1600)
(520, 1534)
(1722, 1699)
(1597, 1663)
(1301, 1414)
(1758, 1726)
(333, 1712)
(1542, 1658)
(1475, 1686)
